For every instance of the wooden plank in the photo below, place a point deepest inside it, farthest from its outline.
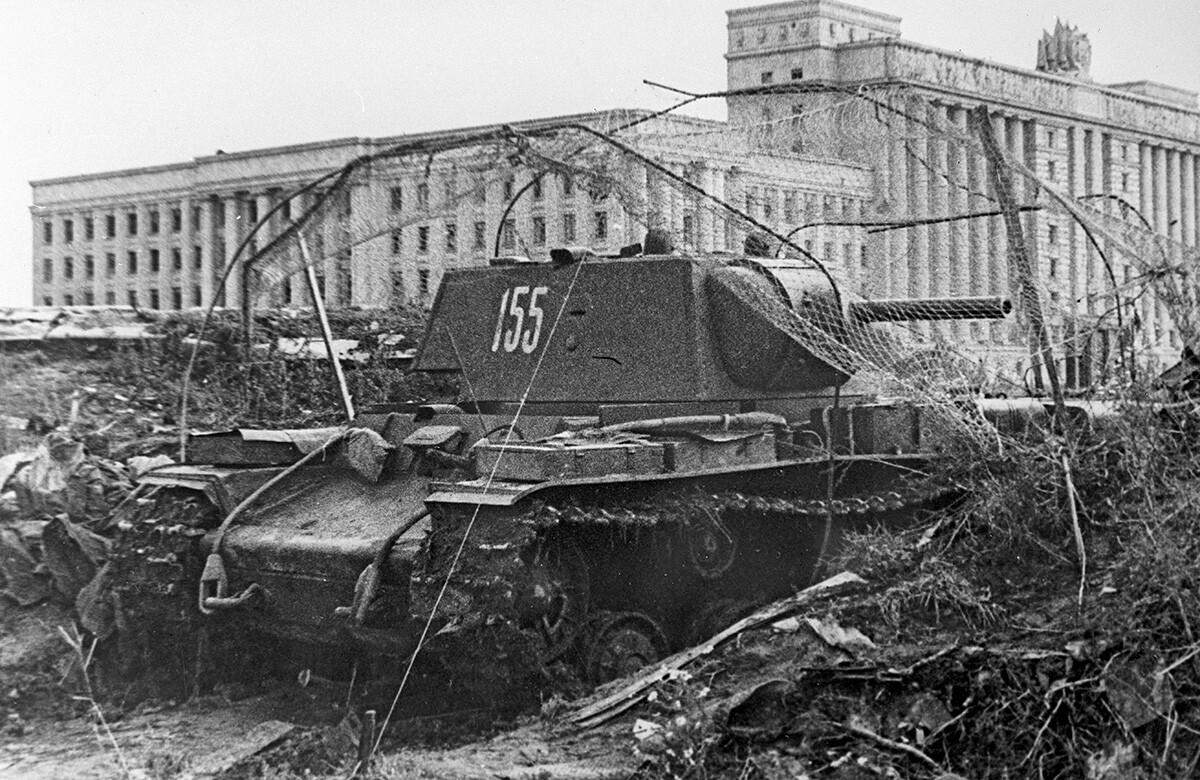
(614, 704)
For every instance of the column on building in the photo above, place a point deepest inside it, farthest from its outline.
(938, 157)
(185, 275)
(998, 257)
(1175, 231)
(1188, 197)
(896, 244)
(1146, 207)
(1161, 222)
(960, 180)
(979, 228)
(1015, 135)
(918, 199)
(705, 219)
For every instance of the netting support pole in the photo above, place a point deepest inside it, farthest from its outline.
(326, 334)
(1001, 178)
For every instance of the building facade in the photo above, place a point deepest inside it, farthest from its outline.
(1134, 143)
(160, 238)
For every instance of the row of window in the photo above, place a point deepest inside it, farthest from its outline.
(537, 191)
(151, 301)
(132, 226)
(88, 269)
(508, 235)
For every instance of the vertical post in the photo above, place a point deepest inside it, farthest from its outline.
(326, 334)
(1002, 182)
(366, 742)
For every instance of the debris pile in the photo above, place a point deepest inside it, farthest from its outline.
(51, 500)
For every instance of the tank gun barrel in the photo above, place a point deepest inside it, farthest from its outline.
(900, 309)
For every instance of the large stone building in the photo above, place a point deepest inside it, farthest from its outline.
(1135, 142)
(160, 237)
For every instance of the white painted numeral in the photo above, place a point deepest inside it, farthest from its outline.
(517, 325)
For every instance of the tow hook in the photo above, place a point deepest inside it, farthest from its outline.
(214, 588)
(365, 590)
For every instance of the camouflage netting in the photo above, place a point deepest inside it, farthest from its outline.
(885, 193)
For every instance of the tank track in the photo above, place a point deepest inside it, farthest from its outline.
(667, 569)
(539, 597)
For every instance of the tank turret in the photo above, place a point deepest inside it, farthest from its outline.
(702, 331)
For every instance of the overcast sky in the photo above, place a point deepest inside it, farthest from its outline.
(89, 86)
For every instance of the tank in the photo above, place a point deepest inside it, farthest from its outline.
(646, 447)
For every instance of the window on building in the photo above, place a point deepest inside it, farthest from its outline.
(176, 222)
(110, 298)
(508, 236)
(197, 298)
(568, 186)
(131, 223)
(89, 228)
(110, 264)
(508, 190)
(47, 232)
(285, 211)
(423, 238)
(219, 215)
(68, 268)
(451, 237)
(479, 243)
(47, 269)
(47, 300)
(176, 298)
(537, 187)
(601, 225)
(797, 74)
(423, 281)
(89, 267)
(1053, 269)
(539, 231)
(829, 251)
(767, 76)
(68, 231)
(89, 298)
(789, 208)
(110, 225)
(197, 217)
(154, 299)
(397, 241)
(423, 195)
(131, 298)
(176, 258)
(154, 223)
(768, 209)
(1124, 151)
(862, 259)
(197, 257)
(568, 226)
(1052, 235)
(397, 198)
(68, 300)
(1051, 171)
(1050, 139)
(155, 266)
(252, 210)
(689, 230)
(1124, 182)
(131, 264)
